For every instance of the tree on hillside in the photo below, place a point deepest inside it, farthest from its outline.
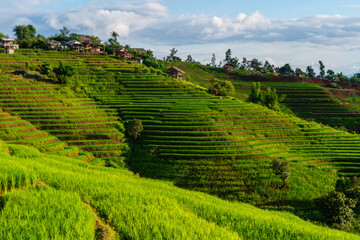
(221, 88)
(172, 56)
(310, 72)
(286, 69)
(271, 99)
(268, 67)
(268, 98)
(245, 64)
(23, 32)
(228, 56)
(255, 94)
(63, 72)
(337, 209)
(213, 60)
(64, 31)
(322, 69)
(3, 35)
(255, 64)
(281, 167)
(189, 59)
(330, 73)
(114, 43)
(299, 72)
(234, 62)
(134, 128)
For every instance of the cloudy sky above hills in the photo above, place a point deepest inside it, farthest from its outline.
(295, 32)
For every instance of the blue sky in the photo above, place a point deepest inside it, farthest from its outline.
(282, 31)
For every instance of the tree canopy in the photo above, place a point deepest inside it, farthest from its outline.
(281, 167)
(221, 88)
(63, 71)
(23, 32)
(134, 128)
(268, 98)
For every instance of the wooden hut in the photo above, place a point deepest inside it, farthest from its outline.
(228, 68)
(54, 45)
(8, 45)
(122, 53)
(89, 46)
(75, 46)
(137, 59)
(175, 72)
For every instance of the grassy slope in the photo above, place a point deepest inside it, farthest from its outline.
(135, 208)
(307, 100)
(219, 146)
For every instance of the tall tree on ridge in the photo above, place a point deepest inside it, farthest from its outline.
(322, 69)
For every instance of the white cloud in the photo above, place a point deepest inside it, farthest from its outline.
(149, 23)
(354, 6)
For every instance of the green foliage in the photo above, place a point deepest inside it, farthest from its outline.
(3, 35)
(221, 88)
(114, 43)
(268, 98)
(63, 71)
(134, 128)
(45, 214)
(310, 72)
(256, 95)
(281, 167)
(172, 56)
(322, 69)
(286, 69)
(23, 32)
(350, 186)
(337, 209)
(136, 208)
(46, 68)
(232, 61)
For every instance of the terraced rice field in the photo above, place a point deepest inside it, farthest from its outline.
(220, 146)
(79, 121)
(309, 101)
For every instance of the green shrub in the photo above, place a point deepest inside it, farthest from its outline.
(337, 209)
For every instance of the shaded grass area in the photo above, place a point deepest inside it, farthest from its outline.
(135, 208)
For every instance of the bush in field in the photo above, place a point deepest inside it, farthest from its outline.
(221, 88)
(268, 98)
(337, 209)
(46, 69)
(281, 167)
(62, 72)
(134, 128)
(256, 94)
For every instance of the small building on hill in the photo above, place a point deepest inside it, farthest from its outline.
(89, 46)
(75, 46)
(8, 45)
(175, 72)
(137, 59)
(228, 68)
(122, 53)
(141, 50)
(85, 39)
(54, 45)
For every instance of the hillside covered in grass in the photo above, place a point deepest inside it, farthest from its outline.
(221, 146)
(305, 98)
(49, 197)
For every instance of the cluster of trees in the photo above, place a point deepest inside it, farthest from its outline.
(341, 205)
(62, 72)
(257, 66)
(221, 88)
(268, 98)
